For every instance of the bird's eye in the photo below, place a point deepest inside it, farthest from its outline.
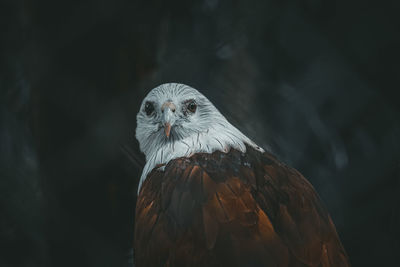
(191, 106)
(149, 108)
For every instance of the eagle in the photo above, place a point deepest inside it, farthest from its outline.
(210, 196)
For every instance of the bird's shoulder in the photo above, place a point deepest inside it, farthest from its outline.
(249, 203)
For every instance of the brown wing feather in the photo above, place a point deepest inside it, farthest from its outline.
(233, 209)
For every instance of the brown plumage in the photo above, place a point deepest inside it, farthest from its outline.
(233, 209)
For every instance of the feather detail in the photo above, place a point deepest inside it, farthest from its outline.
(215, 210)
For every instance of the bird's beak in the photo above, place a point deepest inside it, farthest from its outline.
(167, 129)
(168, 110)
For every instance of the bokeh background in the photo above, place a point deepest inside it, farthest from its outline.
(316, 82)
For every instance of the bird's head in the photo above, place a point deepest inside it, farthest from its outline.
(172, 112)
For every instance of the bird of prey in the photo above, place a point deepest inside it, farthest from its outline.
(209, 196)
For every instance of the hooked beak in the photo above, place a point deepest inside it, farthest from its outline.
(168, 110)
(167, 129)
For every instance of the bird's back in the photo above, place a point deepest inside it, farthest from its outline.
(236, 209)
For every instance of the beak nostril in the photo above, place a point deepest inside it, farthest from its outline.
(168, 104)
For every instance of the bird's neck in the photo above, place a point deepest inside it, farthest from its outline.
(219, 137)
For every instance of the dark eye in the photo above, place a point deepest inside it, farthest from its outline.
(191, 106)
(148, 108)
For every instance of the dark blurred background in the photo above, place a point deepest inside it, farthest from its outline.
(314, 81)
